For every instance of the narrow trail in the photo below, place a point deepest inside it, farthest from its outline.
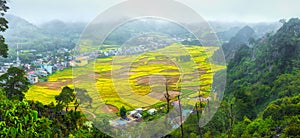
(94, 116)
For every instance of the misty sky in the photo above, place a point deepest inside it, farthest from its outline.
(38, 11)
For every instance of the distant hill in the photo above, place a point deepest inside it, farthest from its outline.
(261, 29)
(21, 31)
(285, 46)
(241, 38)
(225, 36)
(226, 30)
(139, 27)
(60, 34)
(61, 29)
(50, 35)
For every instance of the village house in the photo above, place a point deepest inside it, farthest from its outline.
(136, 113)
(62, 50)
(32, 79)
(152, 111)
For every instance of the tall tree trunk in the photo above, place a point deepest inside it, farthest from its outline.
(198, 118)
(168, 98)
(231, 121)
(198, 114)
(181, 122)
(76, 107)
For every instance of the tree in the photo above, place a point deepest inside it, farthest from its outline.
(283, 21)
(293, 129)
(14, 83)
(17, 119)
(66, 96)
(286, 85)
(181, 119)
(83, 97)
(123, 112)
(3, 28)
(168, 97)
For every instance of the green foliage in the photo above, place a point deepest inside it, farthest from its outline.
(123, 112)
(263, 86)
(287, 85)
(293, 129)
(14, 83)
(66, 96)
(17, 119)
(261, 100)
(83, 97)
(287, 44)
(288, 106)
(259, 75)
(3, 27)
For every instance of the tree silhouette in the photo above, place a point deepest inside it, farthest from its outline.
(3, 28)
(83, 97)
(66, 96)
(14, 83)
(168, 97)
(123, 112)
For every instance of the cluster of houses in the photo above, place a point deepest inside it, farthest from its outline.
(42, 65)
(142, 44)
(136, 116)
(133, 117)
(175, 118)
(5, 67)
(42, 71)
(46, 63)
(137, 113)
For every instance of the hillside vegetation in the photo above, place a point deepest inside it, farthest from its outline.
(262, 91)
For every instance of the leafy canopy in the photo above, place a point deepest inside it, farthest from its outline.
(14, 83)
(3, 28)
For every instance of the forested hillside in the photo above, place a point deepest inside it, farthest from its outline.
(242, 37)
(262, 96)
(263, 88)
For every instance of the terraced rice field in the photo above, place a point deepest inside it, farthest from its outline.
(136, 80)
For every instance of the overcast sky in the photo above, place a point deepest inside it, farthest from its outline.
(38, 11)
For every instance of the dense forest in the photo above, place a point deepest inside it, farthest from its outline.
(262, 96)
(263, 89)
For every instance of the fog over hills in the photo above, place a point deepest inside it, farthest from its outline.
(21, 30)
(28, 34)
(31, 36)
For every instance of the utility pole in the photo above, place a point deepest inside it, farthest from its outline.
(18, 59)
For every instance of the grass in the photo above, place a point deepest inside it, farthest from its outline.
(61, 75)
(41, 94)
(131, 89)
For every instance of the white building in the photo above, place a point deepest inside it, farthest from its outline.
(152, 111)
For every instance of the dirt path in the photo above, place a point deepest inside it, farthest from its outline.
(94, 116)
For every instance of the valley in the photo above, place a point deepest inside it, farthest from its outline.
(142, 77)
